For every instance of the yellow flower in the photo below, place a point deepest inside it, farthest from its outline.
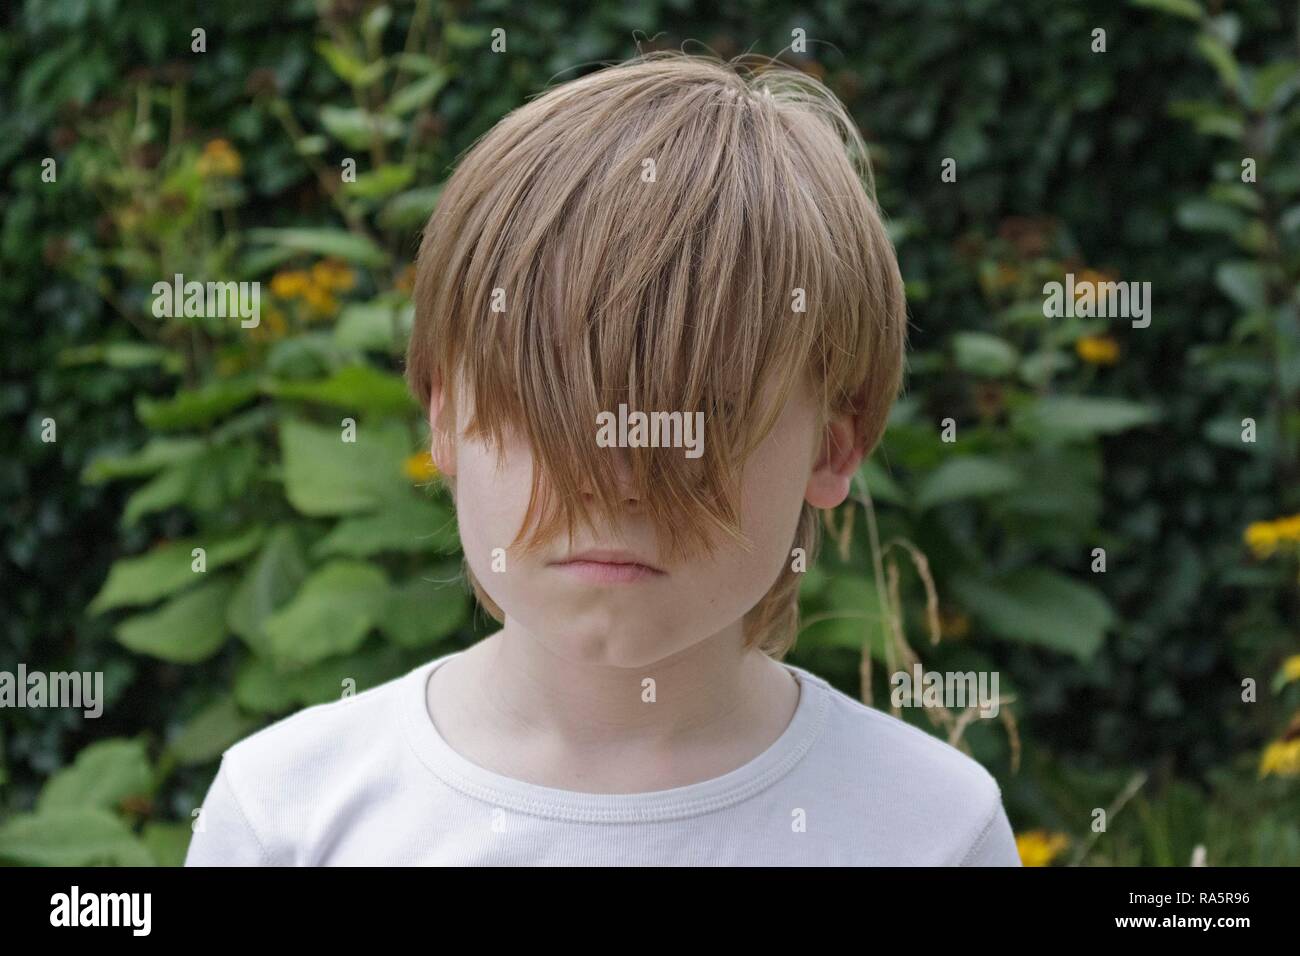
(1040, 848)
(420, 467)
(1098, 349)
(286, 285)
(219, 158)
(320, 300)
(1288, 529)
(333, 274)
(273, 326)
(1291, 669)
(1281, 758)
(1262, 538)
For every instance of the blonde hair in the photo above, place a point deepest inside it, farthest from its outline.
(650, 228)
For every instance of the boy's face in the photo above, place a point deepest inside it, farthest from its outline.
(600, 613)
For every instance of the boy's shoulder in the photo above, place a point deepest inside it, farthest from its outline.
(908, 776)
(354, 730)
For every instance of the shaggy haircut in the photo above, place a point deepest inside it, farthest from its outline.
(674, 233)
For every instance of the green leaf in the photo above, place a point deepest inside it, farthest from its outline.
(325, 475)
(71, 837)
(854, 618)
(263, 688)
(1274, 84)
(340, 243)
(1181, 8)
(1219, 56)
(1039, 606)
(211, 480)
(883, 488)
(358, 128)
(409, 525)
(1242, 281)
(210, 732)
(201, 406)
(271, 580)
(967, 476)
(156, 455)
(187, 629)
(104, 774)
(348, 67)
(167, 569)
(168, 843)
(1205, 216)
(376, 22)
(422, 612)
(410, 209)
(357, 388)
(1077, 417)
(119, 355)
(331, 614)
(417, 63)
(380, 182)
(370, 326)
(418, 94)
(984, 355)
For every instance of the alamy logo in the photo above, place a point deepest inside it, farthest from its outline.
(103, 909)
(1098, 299)
(651, 430)
(59, 689)
(954, 690)
(213, 300)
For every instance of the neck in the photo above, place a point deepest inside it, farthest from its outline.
(521, 708)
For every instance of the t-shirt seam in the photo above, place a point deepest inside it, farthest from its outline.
(655, 814)
(263, 854)
(987, 829)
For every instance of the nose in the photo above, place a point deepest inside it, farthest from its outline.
(623, 475)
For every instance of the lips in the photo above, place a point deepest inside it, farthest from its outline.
(608, 567)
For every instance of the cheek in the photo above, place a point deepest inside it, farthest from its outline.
(772, 499)
(490, 502)
(772, 496)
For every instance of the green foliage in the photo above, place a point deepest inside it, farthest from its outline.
(234, 522)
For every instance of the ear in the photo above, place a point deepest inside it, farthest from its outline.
(442, 428)
(838, 458)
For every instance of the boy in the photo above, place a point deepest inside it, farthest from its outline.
(695, 244)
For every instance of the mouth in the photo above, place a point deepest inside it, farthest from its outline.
(608, 567)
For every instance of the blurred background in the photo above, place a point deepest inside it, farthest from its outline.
(1113, 528)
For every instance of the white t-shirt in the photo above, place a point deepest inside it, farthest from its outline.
(368, 780)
